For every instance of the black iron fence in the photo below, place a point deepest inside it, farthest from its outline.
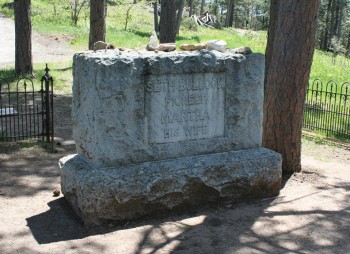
(327, 108)
(26, 113)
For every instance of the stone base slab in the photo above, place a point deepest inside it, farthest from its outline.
(101, 194)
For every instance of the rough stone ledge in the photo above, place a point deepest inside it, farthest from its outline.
(100, 195)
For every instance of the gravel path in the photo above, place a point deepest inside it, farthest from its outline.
(45, 48)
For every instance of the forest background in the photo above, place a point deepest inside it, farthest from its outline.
(238, 22)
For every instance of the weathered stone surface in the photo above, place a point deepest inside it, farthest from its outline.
(192, 47)
(242, 50)
(99, 195)
(100, 45)
(167, 47)
(135, 108)
(153, 42)
(161, 132)
(218, 45)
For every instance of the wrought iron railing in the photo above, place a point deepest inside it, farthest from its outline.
(26, 113)
(327, 108)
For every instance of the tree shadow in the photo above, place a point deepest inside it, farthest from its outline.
(256, 228)
(140, 33)
(178, 37)
(192, 38)
(272, 225)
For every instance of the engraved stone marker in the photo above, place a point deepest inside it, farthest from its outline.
(157, 132)
(185, 107)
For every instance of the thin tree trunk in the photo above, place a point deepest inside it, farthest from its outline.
(332, 29)
(289, 53)
(97, 21)
(190, 13)
(180, 9)
(336, 19)
(271, 34)
(167, 25)
(155, 16)
(202, 7)
(229, 13)
(342, 4)
(348, 47)
(23, 37)
(326, 30)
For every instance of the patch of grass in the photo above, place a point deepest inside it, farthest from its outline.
(319, 138)
(60, 71)
(11, 147)
(325, 68)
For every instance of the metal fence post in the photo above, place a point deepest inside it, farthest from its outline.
(48, 101)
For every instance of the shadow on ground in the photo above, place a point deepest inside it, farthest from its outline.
(254, 227)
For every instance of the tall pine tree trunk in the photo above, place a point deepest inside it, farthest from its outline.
(326, 30)
(348, 47)
(190, 13)
(202, 7)
(291, 42)
(98, 13)
(167, 24)
(155, 16)
(179, 12)
(342, 5)
(23, 38)
(229, 13)
(333, 20)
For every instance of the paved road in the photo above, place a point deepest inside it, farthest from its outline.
(45, 48)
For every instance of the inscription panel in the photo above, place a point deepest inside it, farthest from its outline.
(182, 107)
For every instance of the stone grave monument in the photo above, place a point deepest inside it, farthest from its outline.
(157, 132)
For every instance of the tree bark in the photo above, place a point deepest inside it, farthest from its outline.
(190, 13)
(179, 12)
(23, 37)
(155, 16)
(348, 46)
(97, 22)
(326, 30)
(167, 25)
(229, 13)
(271, 34)
(342, 4)
(289, 53)
(202, 7)
(333, 27)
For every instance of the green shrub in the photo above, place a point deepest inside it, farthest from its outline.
(188, 23)
(217, 25)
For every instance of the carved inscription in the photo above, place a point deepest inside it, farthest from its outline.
(184, 107)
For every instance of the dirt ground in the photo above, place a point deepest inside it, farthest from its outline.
(310, 215)
(45, 49)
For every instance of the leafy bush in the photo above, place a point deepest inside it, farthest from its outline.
(188, 23)
(217, 25)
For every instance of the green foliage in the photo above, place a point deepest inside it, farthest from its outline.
(325, 68)
(54, 18)
(217, 25)
(188, 23)
(60, 71)
(334, 21)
